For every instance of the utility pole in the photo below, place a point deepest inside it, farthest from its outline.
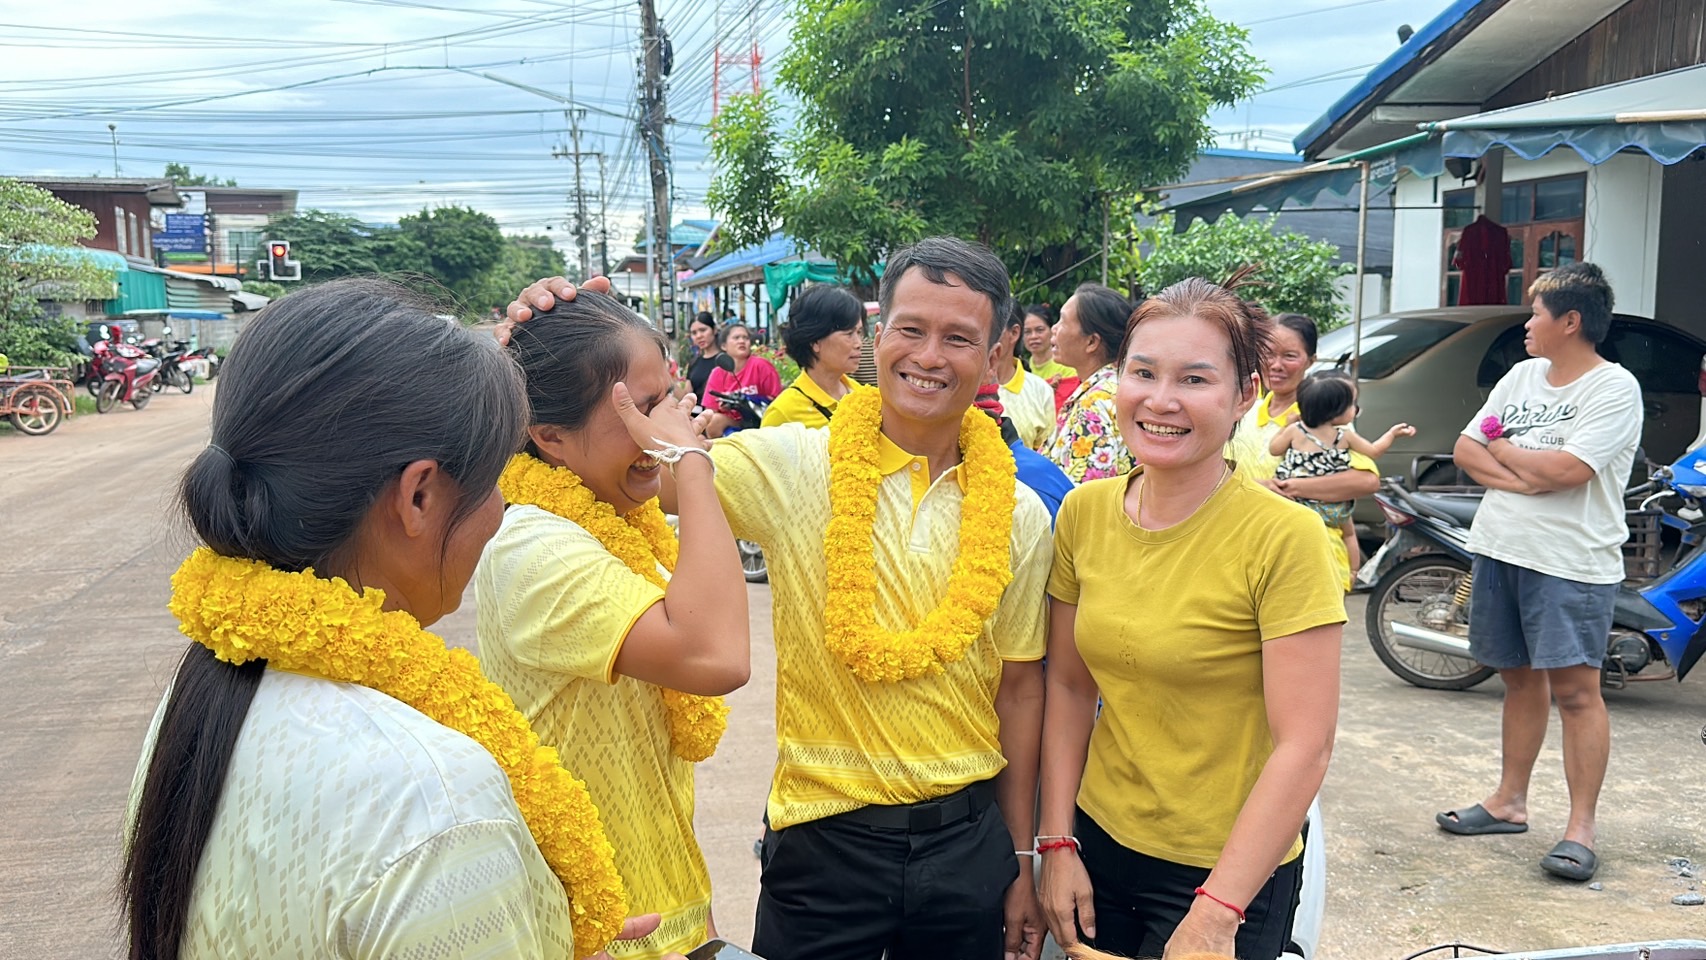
(582, 240)
(603, 223)
(655, 66)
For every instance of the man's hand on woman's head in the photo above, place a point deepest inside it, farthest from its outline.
(540, 296)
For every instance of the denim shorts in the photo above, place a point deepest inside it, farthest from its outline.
(1523, 618)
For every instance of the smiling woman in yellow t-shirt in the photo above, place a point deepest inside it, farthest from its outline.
(826, 337)
(617, 664)
(1175, 816)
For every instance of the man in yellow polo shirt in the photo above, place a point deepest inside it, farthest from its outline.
(897, 805)
(1027, 398)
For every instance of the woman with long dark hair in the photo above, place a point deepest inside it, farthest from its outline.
(1086, 443)
(703, 332)
(614, 638)
(325, 777)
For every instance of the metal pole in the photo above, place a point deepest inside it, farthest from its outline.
(1362, 249)
(113, 129)
(1104, 240)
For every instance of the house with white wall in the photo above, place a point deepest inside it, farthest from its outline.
(1577, 125)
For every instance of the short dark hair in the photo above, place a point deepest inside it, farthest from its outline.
(818, 311)
(1104, 312)
(327, 395)
(1042, 310)
(573, 354)
(1324, 397)
(1304, 327)
(1581, 287)
(975, 264)
(705, 319)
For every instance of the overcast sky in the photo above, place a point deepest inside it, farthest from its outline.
(377, 107)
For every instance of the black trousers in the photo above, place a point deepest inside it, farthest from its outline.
(838, 889)
(1140, 899)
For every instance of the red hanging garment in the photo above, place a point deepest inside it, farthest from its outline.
(1484, 256)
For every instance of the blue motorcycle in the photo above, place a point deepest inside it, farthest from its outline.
(1418, 607)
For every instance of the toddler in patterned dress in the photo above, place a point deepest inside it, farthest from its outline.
(1327, 401)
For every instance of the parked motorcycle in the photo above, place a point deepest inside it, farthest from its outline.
(749, 414)
(123, 373)
(1418, 610)
(172, 372)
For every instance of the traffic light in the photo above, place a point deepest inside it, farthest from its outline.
(275, 263)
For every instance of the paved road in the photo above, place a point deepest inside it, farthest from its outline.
(88, 540)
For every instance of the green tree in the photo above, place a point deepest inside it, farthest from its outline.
(524, 260)
(329, 245)
(180, 174)
(40, 260)
(265, 288)
(1016, 123)
(749, 186)
(1296, 274)
(455, 246)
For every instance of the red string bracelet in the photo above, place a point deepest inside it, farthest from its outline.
(1060, 844)
(1204, 893)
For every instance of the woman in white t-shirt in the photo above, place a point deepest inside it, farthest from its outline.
(357, 440)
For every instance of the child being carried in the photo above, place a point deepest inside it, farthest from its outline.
(1319, 443)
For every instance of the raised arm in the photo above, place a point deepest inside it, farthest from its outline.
(697, 639)
(1376, 448)
(1282, 440)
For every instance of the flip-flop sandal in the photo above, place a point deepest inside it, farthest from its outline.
(1476, 821)
(1570, 860)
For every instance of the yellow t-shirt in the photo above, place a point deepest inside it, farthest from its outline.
(1053, 371)
(1248, 448)
(799, 403)
(843, 743)
(1028, 401)
(553, 608)
(1171, 624)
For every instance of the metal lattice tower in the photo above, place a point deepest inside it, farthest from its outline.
(736, 63)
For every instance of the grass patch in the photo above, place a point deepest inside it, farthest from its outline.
(84, 403)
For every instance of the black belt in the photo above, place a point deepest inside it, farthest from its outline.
(963, 804)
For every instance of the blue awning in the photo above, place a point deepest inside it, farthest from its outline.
(755, 258)
(1340, 179)
(1663, 116)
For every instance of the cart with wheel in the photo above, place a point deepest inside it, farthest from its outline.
(35, 399)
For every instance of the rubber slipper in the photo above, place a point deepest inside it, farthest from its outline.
(1570, 860)
(1476, 821)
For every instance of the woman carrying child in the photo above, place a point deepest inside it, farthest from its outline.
(1327, 401)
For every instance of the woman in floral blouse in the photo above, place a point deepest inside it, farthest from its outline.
(1086, 440)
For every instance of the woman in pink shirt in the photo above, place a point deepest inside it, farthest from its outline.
(752, 376)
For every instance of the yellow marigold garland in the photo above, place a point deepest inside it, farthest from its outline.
(245, 610)
(981, 572)
(642, 539)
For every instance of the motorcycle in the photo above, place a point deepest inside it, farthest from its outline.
(749, 415)
(1418, 609)
(123, 373)
(171, 372)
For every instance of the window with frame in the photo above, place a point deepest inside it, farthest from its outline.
(1546, 222)
(243, 246)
